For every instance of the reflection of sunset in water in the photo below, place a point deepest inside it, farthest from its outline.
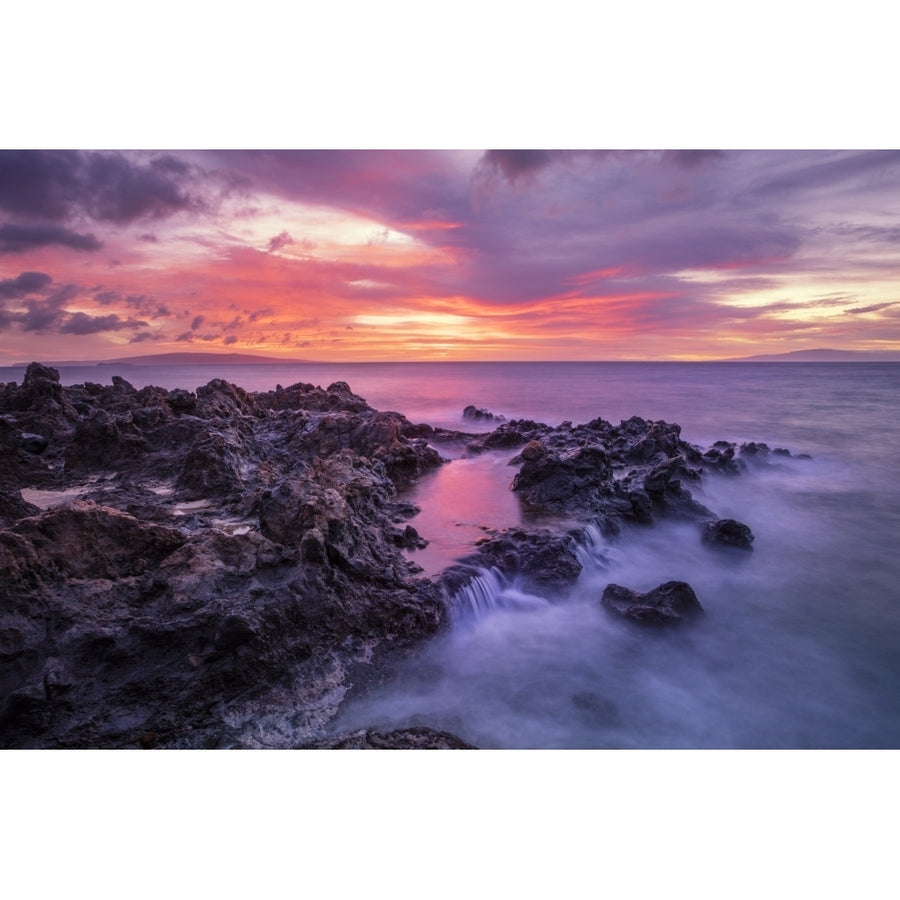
(459, 501)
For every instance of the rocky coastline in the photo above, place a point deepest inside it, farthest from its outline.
(224, 569)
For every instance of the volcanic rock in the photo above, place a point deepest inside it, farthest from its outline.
(728, 533)
(545, 560)
(418, 738)
(481, 415)
(671, 603)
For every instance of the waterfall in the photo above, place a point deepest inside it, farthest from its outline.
(486, 593)
(591, 549)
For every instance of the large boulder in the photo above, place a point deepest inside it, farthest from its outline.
(475, 414)
(580, 481)
(672, 603)
(546, 561)
(728, 533)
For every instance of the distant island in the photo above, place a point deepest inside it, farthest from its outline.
(823, 355)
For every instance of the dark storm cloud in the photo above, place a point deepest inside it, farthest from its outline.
(20, 238)
(57, 185)
(81, 323)
(26, 283)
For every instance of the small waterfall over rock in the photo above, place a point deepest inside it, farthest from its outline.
(591, 549)
(486, 593)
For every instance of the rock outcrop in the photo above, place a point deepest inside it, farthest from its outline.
(226, 550)
(672, 603)
(728, 533)
(222, 568)
(481, 415)
(403, 739)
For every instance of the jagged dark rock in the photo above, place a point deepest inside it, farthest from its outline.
(481, 415)
(13, 507)
(671, 603)
(634, 472)
(545, 560)
(227, 548)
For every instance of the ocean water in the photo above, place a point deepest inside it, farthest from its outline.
(800, 647)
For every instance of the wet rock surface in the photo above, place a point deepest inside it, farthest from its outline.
(728, 533)
(672, 603)
(222, 568)
(481, 415)
(402, 739)
(215, 555)
(544, 560)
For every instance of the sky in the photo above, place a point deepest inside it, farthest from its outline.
(369, 255)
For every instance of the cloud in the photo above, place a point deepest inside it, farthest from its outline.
(279, 241)
(82, 323)
(20, 238)
(63, 294)
(26, 283)
(40, 315)
(231, 339)
(145, 304)
(58, 185)
(809, 173)
(115, 190)
(691, 159)
(107, 298)
(38, 183)
(197, 322)
(142, 336)
(514, 163)
(875, 307)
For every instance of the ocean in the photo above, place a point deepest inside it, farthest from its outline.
(800, 647)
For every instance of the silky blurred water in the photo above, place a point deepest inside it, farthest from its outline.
(800, 646)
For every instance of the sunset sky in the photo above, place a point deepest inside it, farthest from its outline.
(448, 255)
